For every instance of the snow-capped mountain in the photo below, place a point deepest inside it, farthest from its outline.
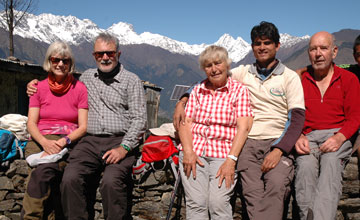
(48, 28)
(237, 49)
(287, 40)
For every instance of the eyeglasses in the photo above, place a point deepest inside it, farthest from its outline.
(56, 61)
(100, 54)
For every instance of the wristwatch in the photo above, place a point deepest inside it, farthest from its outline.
(68, 141)
(234, 158)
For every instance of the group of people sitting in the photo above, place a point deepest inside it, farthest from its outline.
(298, 126)
(262, 124)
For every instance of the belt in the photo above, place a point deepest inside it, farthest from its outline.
(107, 135)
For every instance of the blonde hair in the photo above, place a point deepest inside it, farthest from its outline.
(213, 53)
(61, 48)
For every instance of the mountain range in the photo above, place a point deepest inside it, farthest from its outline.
(155, 58)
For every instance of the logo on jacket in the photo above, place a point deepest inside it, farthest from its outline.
(276, 92)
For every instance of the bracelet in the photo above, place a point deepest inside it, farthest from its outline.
(125, 147)
(232, 157)
(68, 141)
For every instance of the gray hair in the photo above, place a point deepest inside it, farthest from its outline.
(61, 48)
(212, 53)
(108, 38)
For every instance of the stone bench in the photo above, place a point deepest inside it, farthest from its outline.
(151, 198)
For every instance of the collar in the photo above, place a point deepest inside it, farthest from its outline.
(336, 75)
(278, 70)
(110, 74)
(226, 87)
(110, 77)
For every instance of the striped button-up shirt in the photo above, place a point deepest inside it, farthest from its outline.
(117, 105)
(214, 117)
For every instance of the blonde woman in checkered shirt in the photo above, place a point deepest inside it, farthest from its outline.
(218, 119)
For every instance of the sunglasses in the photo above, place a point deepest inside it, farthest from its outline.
(100, 54)
(56, 61)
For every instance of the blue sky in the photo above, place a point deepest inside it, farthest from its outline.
(204, 21)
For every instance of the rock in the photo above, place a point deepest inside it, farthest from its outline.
(7, 205)
(163, 188)
(11, 171)
(3, 217)
(150, 181)
(351, 189)
(353, 160)
(339, 215)
(350, 205)
(3, 194)
(22, 167)
(350, 172)
(13, 216)
(137, 194)
(353, 216)
(98, 206)
(149, 210)
(18, 196)
(166, 198)
(6, 183)
(98, 195)
(19, 183)
(160, 176)
(16, 208)
(152, 193)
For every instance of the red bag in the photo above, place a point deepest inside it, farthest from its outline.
(157, 148)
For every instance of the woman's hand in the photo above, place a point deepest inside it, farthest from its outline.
(50, 146)
(227, 172)
(189, 162)
(61, 142)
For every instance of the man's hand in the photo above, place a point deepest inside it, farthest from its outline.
(271, 160)
(227, 172)
(333, 143)
(114, 155)
(189, 162)
(301, 70)
(302, 145)
(30, 88)
(179, 113)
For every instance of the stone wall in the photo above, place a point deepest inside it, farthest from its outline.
(151, 197)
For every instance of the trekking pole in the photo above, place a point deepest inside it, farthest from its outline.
(178, 202)
(173, 194)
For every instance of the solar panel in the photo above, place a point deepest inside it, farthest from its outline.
(178, 91)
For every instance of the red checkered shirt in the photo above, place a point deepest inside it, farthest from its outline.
(214, 117)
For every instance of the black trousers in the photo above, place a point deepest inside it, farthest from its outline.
(83, 173)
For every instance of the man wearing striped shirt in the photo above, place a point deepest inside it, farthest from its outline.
(117, 120)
